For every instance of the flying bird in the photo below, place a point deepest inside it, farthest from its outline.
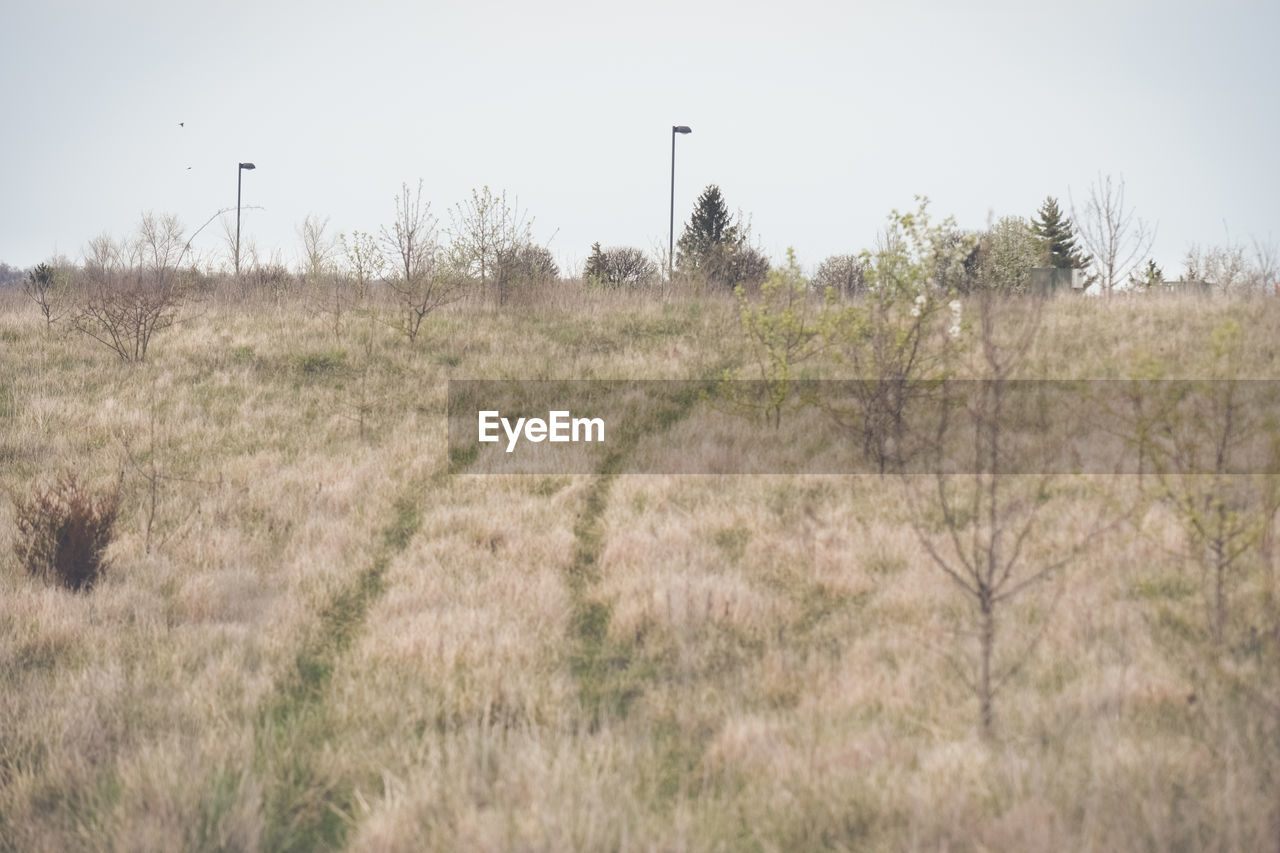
(182, 124)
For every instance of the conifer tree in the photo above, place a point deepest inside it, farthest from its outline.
(715, 248)
(709, 228)
(1057, 236)
(594, 271)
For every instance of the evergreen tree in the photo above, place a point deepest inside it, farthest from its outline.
(715, 248)
(594, 271)
(710, 228)
(1057, 237)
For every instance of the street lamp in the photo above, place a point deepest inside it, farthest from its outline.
(239, 175)
(671, 232)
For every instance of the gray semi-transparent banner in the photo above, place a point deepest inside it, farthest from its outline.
(1162, 427)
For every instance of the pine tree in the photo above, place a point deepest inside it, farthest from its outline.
(715, 248)
(710, 228)
(1057, 236)
(594, 272)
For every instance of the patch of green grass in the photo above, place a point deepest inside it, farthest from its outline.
(1167, 586)
(307, 811)
(669, 325)
(885, 564)
(318, 364)
(545, 487)
(406, 522)
(609, 679)
(733, 541)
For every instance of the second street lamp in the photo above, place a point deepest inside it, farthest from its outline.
(239, 175)
(671, 232)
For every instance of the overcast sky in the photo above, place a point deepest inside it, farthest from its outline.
(815, 118)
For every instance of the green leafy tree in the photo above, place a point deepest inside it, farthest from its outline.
(782, 328)
(1009, 250)
(897, 339)
(1057, 237)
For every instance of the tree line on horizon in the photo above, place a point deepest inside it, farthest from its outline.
(487, 251)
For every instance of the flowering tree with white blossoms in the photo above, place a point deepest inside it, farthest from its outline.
(897, 339)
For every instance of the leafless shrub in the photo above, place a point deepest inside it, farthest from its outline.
(63, 532)
(619, 266)
(1200, 437)
(1266, 265)
(1112, 233)
(149, 463)
(1224, 267)
(417, 278)
(365, 262)
(134, 290)
(843, 274)
(318, 248)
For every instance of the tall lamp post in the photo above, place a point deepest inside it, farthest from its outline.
(671, 231)
(239, 176)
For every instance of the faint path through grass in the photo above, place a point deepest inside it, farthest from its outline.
(608, 676)
(304, 810)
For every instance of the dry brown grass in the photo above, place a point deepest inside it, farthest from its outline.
(339, 645)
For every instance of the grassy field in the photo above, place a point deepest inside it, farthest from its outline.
(312, 636)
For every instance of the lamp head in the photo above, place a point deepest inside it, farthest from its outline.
(681, 128)
(247, 166)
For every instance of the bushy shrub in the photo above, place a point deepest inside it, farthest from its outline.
(619, 266)
(843, 274)
(64, 531)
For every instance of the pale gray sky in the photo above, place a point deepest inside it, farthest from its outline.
(815, 118)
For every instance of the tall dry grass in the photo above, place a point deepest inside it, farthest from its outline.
(336, 644)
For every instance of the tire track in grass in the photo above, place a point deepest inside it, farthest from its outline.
(608, 676)
(303, 809)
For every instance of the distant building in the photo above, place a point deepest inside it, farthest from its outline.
(1054, 279)
(1198, 287)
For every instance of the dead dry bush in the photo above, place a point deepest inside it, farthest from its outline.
(135, 289)
(63, 531)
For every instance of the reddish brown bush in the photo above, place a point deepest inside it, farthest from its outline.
(64, 531)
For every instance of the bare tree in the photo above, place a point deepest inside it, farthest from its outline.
(843, 274)
(1215, 448)
(412, 254)
(1224, 267)
(486, 230)
(318, 248)
(1266, 265)
(134, 290)
(984, 527)
(619, 266)
(1112, 233)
